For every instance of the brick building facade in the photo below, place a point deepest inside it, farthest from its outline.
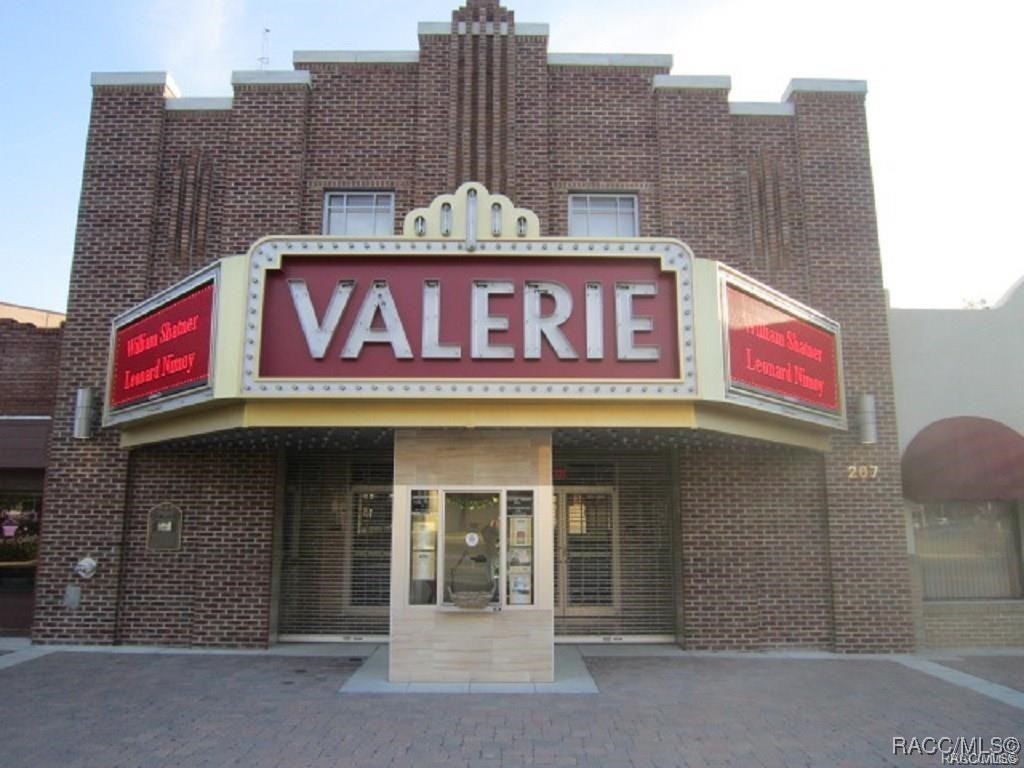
(29, 352)
(962, 452)
(762, 544)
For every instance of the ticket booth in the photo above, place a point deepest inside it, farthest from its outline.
(471, 578)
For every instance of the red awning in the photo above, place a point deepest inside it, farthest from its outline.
(966, 458)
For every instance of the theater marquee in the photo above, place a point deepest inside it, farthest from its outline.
(478, 323)
(446, 312)
(470, 317)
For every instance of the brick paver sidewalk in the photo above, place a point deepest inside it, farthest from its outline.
(99, 710)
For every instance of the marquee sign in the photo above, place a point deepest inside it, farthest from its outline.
(499, 321)
(469, 318)
(470, 303)
(163, 347)
(778, 349)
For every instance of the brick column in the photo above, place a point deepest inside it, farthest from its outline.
(696, 164)
(529, 177)
(867, 535)
(266, 177)
(86, 479)
(435, 120)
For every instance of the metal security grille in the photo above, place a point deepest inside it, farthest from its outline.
(336, 544)
(613, 545)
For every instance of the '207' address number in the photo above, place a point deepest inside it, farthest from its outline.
(862, 472)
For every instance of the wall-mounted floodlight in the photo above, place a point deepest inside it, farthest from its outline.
(867, 420)
(83, 414)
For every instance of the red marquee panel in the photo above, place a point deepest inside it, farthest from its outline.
(777, 353)
(285, 351)
(165, 351)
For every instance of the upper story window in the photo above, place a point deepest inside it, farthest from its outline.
(366, 214)
(603, 216)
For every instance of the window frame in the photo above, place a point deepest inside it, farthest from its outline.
(503, 603)
(616, 196)
(345, 194)
(918, 512)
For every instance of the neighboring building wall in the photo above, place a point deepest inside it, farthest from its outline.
(958, 362)
(950, 363)
(40, 318)
(29, 357)
(785, 196)
(28, 368)
(982, 624)
(28, 387)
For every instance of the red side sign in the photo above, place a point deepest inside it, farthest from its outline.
(166, 351)
(777, 353)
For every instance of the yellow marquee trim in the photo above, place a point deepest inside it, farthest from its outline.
(341, 413)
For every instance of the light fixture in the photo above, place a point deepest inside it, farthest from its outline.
(82, 429)
(867, 420)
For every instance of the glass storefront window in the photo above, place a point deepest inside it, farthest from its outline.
(19, 525)
(423, 560)
(968, 550)
(486, 552)
(472, 548)
(519, 515)
(19, 513)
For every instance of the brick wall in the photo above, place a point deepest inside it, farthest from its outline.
(358, 135)
(867, 534)
(697, 171)
(264, 180)
(607, 148)
(193, 170)
(86, 479)
(754, 548)
(973, 624)
(28, 368)
(787, 198)
(216, 589)
(770, 227)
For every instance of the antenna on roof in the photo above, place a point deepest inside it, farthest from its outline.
(264, 58)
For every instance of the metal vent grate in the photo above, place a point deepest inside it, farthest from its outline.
(336, 544)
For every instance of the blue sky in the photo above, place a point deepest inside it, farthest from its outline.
(943, 106)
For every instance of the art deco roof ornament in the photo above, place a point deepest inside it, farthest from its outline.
(472, 214)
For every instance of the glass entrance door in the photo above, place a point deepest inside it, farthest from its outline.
(586, 551)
